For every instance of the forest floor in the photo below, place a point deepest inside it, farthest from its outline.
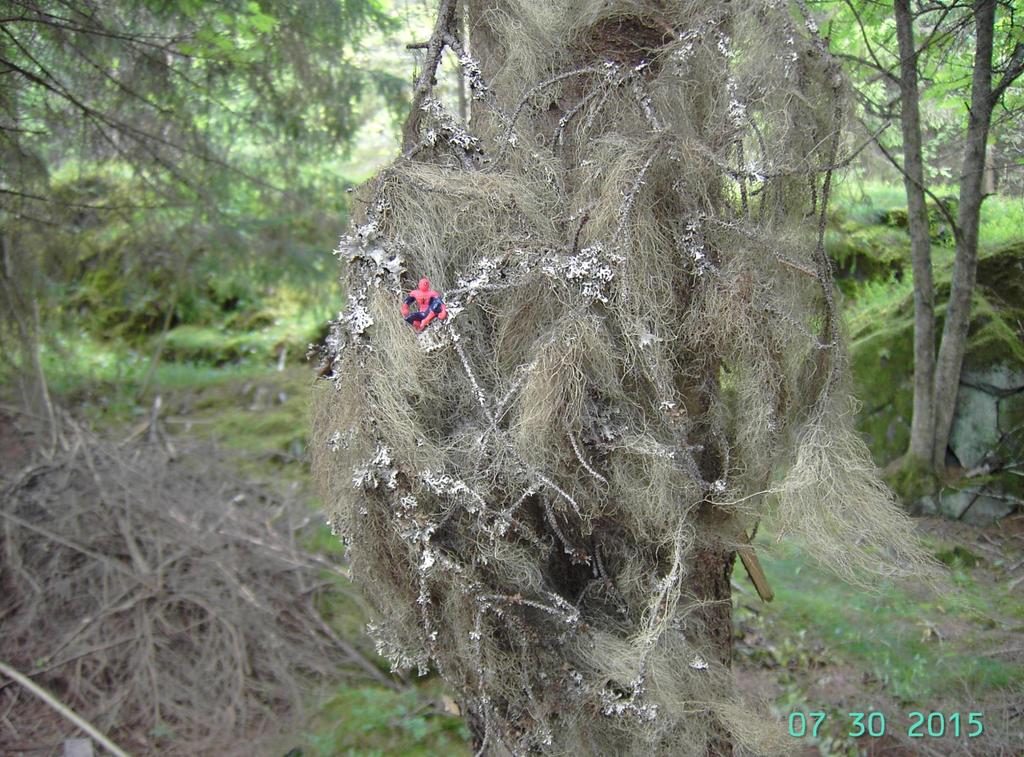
(931, 666)
(820, 647)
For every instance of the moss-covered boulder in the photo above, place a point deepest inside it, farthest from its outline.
(881, 342)
(212, 346)
(874, 244)
(861, 253)
(988, 427)
(938, 222)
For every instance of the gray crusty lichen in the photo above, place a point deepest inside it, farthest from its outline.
(642, 358)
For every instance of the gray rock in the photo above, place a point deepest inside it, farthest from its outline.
(997, 379)
(975, 429)
(925, 506)
(973, 506)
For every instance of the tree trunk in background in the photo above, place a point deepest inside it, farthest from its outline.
(923, 423)
(19, 310)
(710, 579)
(709, 576)
(965, 267)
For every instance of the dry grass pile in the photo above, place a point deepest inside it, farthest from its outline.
(642, 360)
(164, 601)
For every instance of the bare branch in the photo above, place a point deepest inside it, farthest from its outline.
(444, 25)
(65, 711)
(939, 203)
(1014, 68)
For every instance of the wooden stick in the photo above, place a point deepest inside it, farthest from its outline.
(754, 570)
(62, 708)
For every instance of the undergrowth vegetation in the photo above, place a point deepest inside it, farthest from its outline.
(374, 722)
(869, 242)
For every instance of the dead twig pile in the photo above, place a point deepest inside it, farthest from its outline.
(168, 604)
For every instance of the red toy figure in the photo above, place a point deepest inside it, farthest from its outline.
(428, 306)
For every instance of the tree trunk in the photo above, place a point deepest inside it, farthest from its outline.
(710, 571)
(923, 423)
(710, 580)
(541, 496)
(17, 296)
(965, 267)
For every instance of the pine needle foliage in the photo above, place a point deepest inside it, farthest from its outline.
(642, 359)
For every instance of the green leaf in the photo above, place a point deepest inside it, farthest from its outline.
(263, 23)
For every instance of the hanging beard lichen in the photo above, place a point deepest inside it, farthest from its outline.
(641, 360)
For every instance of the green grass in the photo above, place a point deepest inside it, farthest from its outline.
(866, 201)
(377, 722)
(1002, 221)
(890, 635)
(270, 413)
(105, 379)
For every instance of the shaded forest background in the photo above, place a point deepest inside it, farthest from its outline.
(173, 177)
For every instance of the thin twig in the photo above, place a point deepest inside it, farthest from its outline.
(113, 564)
(62, 709)
(425, 81)
(354, 654)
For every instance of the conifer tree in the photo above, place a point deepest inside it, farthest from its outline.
(543, 493)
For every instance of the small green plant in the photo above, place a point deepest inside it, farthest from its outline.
(957, 556)
(368, 721)
(913, 479)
